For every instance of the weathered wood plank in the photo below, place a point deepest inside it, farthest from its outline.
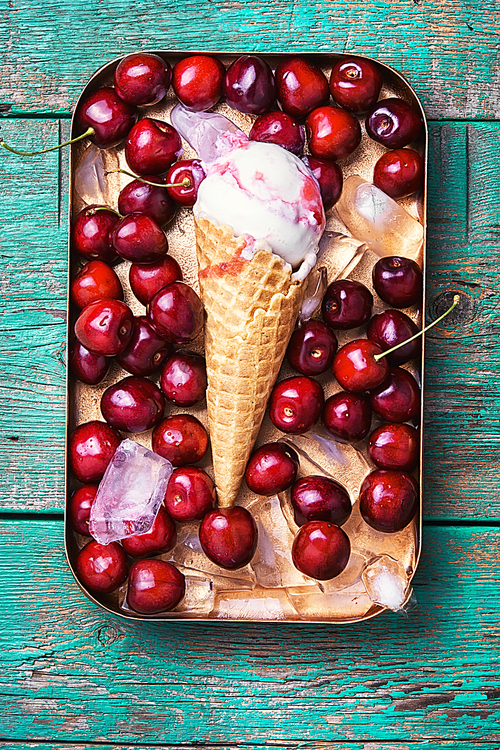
(449, 51)
(69, 670)
(290, 745)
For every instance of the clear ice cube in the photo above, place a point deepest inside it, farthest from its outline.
(210, 134)
(387, 583)
(260, 605)
(130, 493)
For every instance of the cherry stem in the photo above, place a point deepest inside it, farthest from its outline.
(456, 300)
(87, 133)
(186, 182)
(107, 208)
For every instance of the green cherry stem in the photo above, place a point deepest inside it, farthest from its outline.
(186, 182)
(105, 208)
(456, 300)
(87, 133)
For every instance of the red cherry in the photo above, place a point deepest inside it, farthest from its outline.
(318, 498)
(188, 169)
(105, 327)
(101, 567)
(154, 586)
(355, 84)
(137, 237)
(347, 416)
(91, 447)
(392, 327)
(109, 116)
(333, 133)
(394, 446)
(161, 537)
(295, 404)
(346, 304)
(94, 281)
(228, 536)
(91, 233)
(197, 81)
(399, 173)
(249, 85)
(394, 123)
(388, 500)
(142, 78)
(397, 399)
(312, 348)
(153, 200)
(181, 439)
(281, 129)
(301, 86)
(356, 368)
(176, 312)
(398, 281)
(321, 550)
(146, 351)
(184, 378)
(152, 146)
(190, 494)
(88, 367)
(330, 179)
(79, 507)
(272, 468)
(134, 404)
(147, 279)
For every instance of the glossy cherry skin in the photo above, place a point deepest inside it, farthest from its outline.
(101, 568)
(105, 327)
(355, 84)
(312, 348)
(190, 494)
(399, 173)
(249, 85)
(394, 446)
(88, 367)
(181, 439)
(295, 404)
(91, 233)
(152, 146)
(142, 78)
(110, 116)
(154, 586)
(397, 399)
(318, 498)
(228, 537)
(388, 500)
(152, 200)
(191, 169)
(79, 507)
(161, 537)
(146, 351)
(137, 237)
(355, 366)
(272, 468)
(398, 281)
(281, 129)
(330, 179)
(176, 312)
(197, 81)
(346, 304)
(321, 550)
(301, 86)
(147, 279)
(333, 133)
(94, 281)
(394, 123)
(134, 404)
(91, 447)
(184, 378)
(347, 416)
(392, 327)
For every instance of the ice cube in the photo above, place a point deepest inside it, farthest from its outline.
(315, 291)
(351, 603)
(130, 493)
(199, 597)
(387, 583)
(91, 184)
(261, 605)
(210, 134)
(373, 217)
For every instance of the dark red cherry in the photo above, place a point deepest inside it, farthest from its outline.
(281, 129)
(147, 279)
(356, 368)
(152, 146)
(146, 351)
(190, 494)
(355, 84)
(105, 327)
(94, 281)
(321, 550)
(181, 439)
(396, 399)
(318, 498)
(330, 179)
(333, 133)
(272, 468)
(398, 281)
(142, 78)
(79, 507)
(394, 123)
(152, 200)
(394, 446)
(91, 233)
(228, 537)
(161, 537)
(91, 447)
(388, 500)
(399, 173)
(188, 169)
(109, 116)
(176, 312)
(312, 348)
(184, 378)
(392, 327)
(197, 81)
(346, 304)
(134, 404)
(154, 586)
(137, 237)
(347, 416)
(249, 85)
(295, 404)
(101, 568)
(88, 367)
(301, 86)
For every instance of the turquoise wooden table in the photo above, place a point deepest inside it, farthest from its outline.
(73, 676)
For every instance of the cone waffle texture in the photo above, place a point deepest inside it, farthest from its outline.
(251, 309)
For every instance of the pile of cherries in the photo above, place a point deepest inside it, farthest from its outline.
(290, 104)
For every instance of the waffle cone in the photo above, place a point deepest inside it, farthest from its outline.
(251, 308)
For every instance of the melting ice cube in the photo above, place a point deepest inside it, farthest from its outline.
(386, 582)
(210, 134)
